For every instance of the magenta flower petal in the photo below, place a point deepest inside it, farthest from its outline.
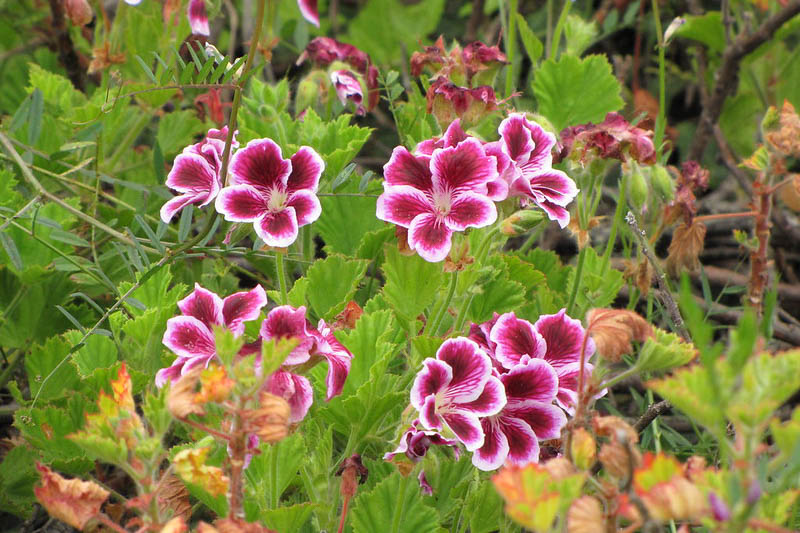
(454, 134)
(434, 376)
(545, 419)
(424, 485)
(242, 307)
(463, 167)
(307, 167)
(171, 372)
(203, 305)
(470, 210)
(516, 338)
(555, 212)
(198, 19)
(554, 186)
(296, 390)
(192, 173)
(285, 322)
(492, 454)
(415, 443)
(189, 337)
(535, 380)
(564, 337)
(306, 206)
(429, 236)
(490, 402)
(261, 165)
(400, 204)
(338, 357)
(177, 203)
(523, 442)
(241, 203)
(568, 375)
(466, 427)
(471, 368)
(278, 229)
(308, 8)
(516, 137)
(405, 168)
(428, 415)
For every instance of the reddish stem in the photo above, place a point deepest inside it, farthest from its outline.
(759, 276)
(343, 519)
(720, 216)
(106, 521)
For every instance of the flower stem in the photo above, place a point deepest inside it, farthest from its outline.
(575, 284)
(511, 44)
(662, 75)
(280, 270)
(562, 19)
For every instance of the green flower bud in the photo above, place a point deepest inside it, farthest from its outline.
(663, 184)
(636, 186)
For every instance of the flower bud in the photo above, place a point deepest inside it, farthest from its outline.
(583, 449)
(521, 222)
(78, 11)
(311, 91)
(663, 184)
(636, 185)
(719, 509)
(754, 492)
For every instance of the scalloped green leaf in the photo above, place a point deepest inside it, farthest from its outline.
(332, 283)
(574, 91)
(395, 505)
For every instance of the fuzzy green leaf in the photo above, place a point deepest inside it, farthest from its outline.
(332, 283)
(395, 505)
(411, 282)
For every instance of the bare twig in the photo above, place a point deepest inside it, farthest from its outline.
(663, 293)
(729, 69)
(650, 414)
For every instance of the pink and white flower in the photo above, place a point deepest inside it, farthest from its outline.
(198, 19)
(434, 196)
(455, 389)
(557, 339)
(497, 188)
(278, 195)
(196, 173)
(191, 337)
(286, 322)
(530, 173)
(528, 417)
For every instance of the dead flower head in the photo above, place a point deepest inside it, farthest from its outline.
(686, 247)
(181, 400)
(271, 420)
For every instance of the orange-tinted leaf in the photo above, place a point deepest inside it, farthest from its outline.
(190, 466)
(685, 248)
(215, 385)
(121, 388)
(72, 501)
(614, 329)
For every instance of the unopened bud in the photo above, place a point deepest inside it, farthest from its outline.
(78, 11)
(521, 222)
(636, 186)
(311, 91)
(754, 492)
(663, 184)
(719, 509)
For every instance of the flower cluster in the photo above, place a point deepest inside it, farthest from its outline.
(500, 391)
(614, 138)
(341, 66)
(277, 195)
(190, 336)
(449, 184)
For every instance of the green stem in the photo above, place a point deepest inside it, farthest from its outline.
(436, 322)
(619, 377)
(483, 248)
(612, 238)
(511, 44)
(662, 75)
(549, 36)
(576, 283)
(127, 141)
(237, 97)
(562, 19)
(281, 272)
(458, 325)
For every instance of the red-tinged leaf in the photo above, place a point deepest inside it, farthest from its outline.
(72, 501)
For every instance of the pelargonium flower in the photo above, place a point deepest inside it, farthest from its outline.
(433, 196)
(528, 417)
(530, 173)
(198, 19)
(614, 138)
(196, 173)
(323, 51)
(315, 344)
(455, 389)
(278, 195)
(497, 188)
(416, 441)
(190, 335)
(557, 339)
(447, 102)
(348, 88)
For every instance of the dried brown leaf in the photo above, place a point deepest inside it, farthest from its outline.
(685, 248)
(585, 515)
(613, 330)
